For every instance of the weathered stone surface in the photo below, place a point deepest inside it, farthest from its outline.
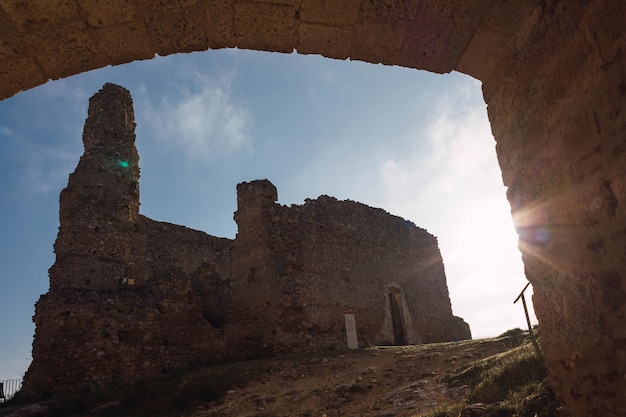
(29, 15)
(317, 261)
(175, 27)
(553, 79)
(329, 41)
(22, 72)
(75, 43)
(130, 296)
(108, 12)
(220, 26)
(378, 42)
(265, 26)
(65, 37)
(330, 12)
(559, 129)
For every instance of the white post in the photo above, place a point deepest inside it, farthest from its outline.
(353, 342)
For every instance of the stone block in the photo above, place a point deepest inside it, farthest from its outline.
(23, 73)
(327, 41)
(390, 10)
(73, 44)
(498, 17)
(39, 14)
(176, 29)
(11, 45)
(265, 27)
(437, 38)
(220, 24)
(124, 44)
(330, 12)
(378, 43)
(483, 54)
(108, 12)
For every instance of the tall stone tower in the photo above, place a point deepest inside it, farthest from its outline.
(100, 204)
(255, 202)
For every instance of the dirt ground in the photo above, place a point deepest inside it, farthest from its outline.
(393, 381)
(376, 382)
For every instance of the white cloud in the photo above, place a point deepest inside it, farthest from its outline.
(204, 119)
(46, 170)
(65, 90)
(43, 167)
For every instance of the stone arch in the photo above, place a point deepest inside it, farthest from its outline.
(554, 81)
(51, 40)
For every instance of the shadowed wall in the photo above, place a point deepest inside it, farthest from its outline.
(131, 297)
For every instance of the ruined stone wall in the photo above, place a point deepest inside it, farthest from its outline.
(102, 239)
(131, 297)
(322, 259)
(86, 338)
(101, 201)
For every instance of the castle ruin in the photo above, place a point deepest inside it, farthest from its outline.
(132, 297)
(553, 79)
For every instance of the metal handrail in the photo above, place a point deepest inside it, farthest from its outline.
(8, 388)
(530, 327)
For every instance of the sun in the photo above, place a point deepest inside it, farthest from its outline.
(484, 267)
(485, 229)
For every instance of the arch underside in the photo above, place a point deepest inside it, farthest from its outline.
(56, 39)
(554, 81)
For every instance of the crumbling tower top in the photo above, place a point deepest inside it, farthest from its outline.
(110, 119)
(101, 199)
(109, 134)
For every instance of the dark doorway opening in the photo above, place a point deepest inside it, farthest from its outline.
(396, 319)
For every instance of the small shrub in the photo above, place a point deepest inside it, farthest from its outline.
(515, 370)
(513, 383)
(513, 333)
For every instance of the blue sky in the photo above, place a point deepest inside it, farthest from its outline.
(414, 143)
